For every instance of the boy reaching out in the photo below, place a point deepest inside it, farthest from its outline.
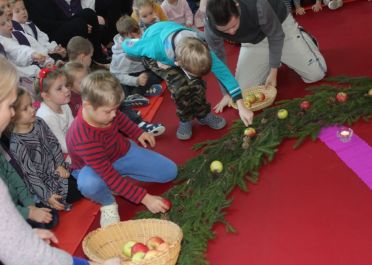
(102, 154)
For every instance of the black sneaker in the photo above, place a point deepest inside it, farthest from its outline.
(136, 100)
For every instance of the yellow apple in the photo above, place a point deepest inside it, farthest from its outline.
(216, 166)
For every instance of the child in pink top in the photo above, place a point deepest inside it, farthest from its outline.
(178, 11)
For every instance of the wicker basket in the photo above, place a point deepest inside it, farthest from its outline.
(270, 95)
(108, 242)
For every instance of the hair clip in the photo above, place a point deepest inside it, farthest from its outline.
(43, 74)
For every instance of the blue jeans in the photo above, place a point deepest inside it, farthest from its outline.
(139, 163)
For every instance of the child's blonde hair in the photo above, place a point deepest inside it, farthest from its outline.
(137, 4)
(8, 78)
(45, 80)
(71, 68)
(193, 56)
(77, 46)
(101, 88)
(126, 25)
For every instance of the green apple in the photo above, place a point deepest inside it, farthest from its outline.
(216, 166)
(282, 114)
(151, 254)
(138, 256)
(251, 98)
(127, 249)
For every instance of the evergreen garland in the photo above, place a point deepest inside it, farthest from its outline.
(200, 197)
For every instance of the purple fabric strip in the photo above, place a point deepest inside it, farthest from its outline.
(356, 153)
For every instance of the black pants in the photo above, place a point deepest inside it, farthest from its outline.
(111, 11)
(78, 26)
(51, 224)
(152, 80)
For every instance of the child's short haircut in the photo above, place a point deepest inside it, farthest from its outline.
(101, 88)
(43, 84)
(12, 2)
(140, 3)
(193, 56)
(126, 25)
(77, 46)
(17, 104)
(8, 78)
(71, 68)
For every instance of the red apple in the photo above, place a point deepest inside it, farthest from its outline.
(163, 247)
(138, 256)
(282, 114)
(154, 242)
(168, 203)
(127, 249)
(139, 247)
(216, 166)
(341, 97)
(251, 98)
(250, 132)
(260, 96)
(305, 105)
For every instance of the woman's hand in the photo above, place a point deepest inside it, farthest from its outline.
(245, 114)
(147, 138)
(271, 78)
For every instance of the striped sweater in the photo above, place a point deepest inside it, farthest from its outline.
(99, 148)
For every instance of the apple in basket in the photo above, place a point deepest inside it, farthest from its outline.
(163, 247)
(138, 256)
(151, 254)
(154, 242)
(127, 249)
(139, 247)
(260, 96)
(251, 98)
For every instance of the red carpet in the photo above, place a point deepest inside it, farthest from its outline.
(308, 208)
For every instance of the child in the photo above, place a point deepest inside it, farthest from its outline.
(146, 13)
(131, 71)
(39, 155)
(80, 50)
(50, 88)
(5, 6)
(76, 72)
(182, 60)
(22, 56)
(178, 11)
(21, 23)
(102, 155)
(37, 216)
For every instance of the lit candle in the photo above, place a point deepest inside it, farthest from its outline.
(345, 133)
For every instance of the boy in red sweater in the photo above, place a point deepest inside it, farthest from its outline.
(103, 157)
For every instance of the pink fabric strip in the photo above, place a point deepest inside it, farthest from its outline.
(356, 153)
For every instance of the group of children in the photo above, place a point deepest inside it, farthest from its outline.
(316, 7)
(80, 139)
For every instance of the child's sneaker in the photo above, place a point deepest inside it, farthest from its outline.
(154, 90)
(109, 215)
(155, 129)
(136, 100)
(335, 4)
(184, 131)
(213, 121)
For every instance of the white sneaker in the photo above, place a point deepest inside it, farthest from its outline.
(335, 4)
(109, 215)
(326, 2)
